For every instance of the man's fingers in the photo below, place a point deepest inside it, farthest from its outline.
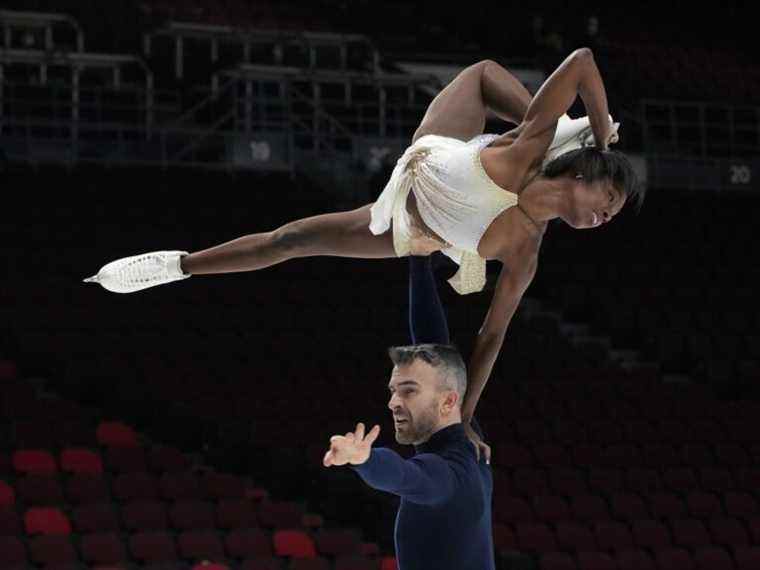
(359, 431)
(487, 453)
(372, 435)
(327, 460)
(477, 451)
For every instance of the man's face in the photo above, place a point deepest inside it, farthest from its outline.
(416, 402)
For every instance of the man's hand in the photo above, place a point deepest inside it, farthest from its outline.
(353, 448)
(480, 445)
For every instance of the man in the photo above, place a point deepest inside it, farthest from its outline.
(444, 519)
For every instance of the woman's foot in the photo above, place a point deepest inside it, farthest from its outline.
(130, 274)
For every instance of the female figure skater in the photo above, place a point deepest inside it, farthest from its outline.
(473, 196)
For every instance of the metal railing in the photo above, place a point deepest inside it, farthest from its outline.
(704, 130)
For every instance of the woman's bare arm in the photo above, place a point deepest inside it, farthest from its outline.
(577, 75)
(515, 277)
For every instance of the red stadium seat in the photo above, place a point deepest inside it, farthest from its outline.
(596, 561)
(294, 543)
(34, 461)
(8, 370)
(126, 459)
(192, 515)
(716, 479)
(167, 459)
(697, 455)
(552, 455)
(511, 455)
(388, 563)
(628, 506)
(503, 537)
(747, 558)
(680, 480)
(81, 461)
(180, 486)
(606, 481)
(535, 537)
(251, 543)
(115, 434)
(7, 495)
(512, 509)
(135, 487)
(728, 532)
(575, 537)
(354, 562)
(235, 513)
(557, 561)
(567, 481)
(52, 550)
(43, 520)
(103, 548)
(589, 508)
(644, 481)
(95, 518)
(280, 515)
(12, 553)
(612, 535)
(689, 533)
(650, 534)
(703, 505)
(10, 522)
(200, 545)
(205, 565)
(152, 547)
(550, 508)
(86, 489)
(310, 564)
(144, 516)
(741, 505)
(667, 505)
(338, 542)
(220, 486)
(732, 455)
(674, 559)
(712, 558)
(530, 482)
(40, 490)
(634, 560)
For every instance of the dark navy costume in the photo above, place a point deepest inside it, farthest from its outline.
(444, 519)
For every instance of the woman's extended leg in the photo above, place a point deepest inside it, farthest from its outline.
(341, 234)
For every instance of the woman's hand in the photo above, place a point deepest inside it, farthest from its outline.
(480, 445)
(611, 137)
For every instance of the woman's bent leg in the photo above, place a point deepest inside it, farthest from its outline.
(341, 234)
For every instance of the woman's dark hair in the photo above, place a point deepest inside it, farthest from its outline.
(595, 165)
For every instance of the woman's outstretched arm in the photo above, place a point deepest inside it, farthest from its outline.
(515, 277)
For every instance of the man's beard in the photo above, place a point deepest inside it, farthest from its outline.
(419, 431)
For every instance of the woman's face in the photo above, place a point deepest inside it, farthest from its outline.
(593, 204)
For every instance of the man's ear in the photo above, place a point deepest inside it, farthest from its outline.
(451, 400)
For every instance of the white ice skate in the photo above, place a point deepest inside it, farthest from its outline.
(572, 134)
(130, 274)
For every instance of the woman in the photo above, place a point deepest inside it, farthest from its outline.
(473, 196)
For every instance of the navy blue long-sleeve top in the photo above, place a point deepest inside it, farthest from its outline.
(444, 520)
